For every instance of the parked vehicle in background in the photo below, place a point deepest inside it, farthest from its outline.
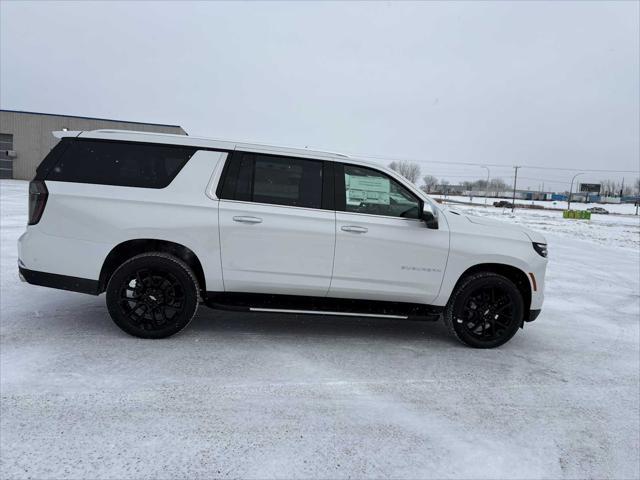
(599, 210)
(503, 204)
(163, 223)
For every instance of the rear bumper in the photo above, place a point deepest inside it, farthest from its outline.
(62, 282)
(66, 256)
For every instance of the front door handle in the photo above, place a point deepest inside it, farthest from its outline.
(247, 219)
(354, 229)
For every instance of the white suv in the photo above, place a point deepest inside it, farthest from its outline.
(162, 223)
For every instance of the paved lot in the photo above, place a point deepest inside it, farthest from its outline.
(257, 396)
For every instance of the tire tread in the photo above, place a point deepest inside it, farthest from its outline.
(460, 288)
(178, 262)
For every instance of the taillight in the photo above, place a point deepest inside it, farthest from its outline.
(38, 194)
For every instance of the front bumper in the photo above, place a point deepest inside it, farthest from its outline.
(533, 314)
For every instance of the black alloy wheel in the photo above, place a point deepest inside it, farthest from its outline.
(153, 295)
(485, 311)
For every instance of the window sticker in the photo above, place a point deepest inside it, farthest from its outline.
(365, 189)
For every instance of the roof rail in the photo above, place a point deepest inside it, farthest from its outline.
(239, 144)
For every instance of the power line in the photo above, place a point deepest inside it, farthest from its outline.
(478, 177)
(473, 164)
(586, 170)
(548, 180)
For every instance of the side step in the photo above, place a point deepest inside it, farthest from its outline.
(302, 305)
(321, 312)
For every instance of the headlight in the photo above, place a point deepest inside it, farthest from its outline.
(541, 248)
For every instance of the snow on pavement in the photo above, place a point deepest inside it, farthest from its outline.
(617, 208)
(261, 396)
(621, 231)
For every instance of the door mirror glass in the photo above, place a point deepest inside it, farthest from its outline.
(430, 216)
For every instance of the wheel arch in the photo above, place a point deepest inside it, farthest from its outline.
(515, 274)
(130, 248)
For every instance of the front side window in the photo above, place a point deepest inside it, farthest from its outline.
(274, 179)
(372, 192)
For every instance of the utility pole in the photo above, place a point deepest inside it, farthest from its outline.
(486, 190)
(515, 182)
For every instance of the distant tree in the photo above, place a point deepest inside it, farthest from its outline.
(480, 185)
(637, 185)
(607, 187)
(497, 185)
(409, 170)
(429, 183)
(467, 185)
(603, 187)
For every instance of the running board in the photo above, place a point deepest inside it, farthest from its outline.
(325, 312)
(298, 304)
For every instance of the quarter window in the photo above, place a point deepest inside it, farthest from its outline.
(372, 192)
(120, 163)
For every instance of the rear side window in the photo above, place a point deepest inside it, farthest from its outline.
(120, 163)
(274, 179)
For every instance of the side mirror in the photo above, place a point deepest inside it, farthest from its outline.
(430, 216)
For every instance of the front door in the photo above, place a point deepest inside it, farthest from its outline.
(383, 250)
(275, 236)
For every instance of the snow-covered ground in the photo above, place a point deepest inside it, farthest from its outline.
(612, 230)
(622, 208)
(256, 396)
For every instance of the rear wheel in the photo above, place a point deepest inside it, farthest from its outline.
(485, 310)
(153, 295)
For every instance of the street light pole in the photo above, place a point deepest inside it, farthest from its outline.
(486, 190)
(571, 190)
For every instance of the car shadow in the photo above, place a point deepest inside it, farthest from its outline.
(62, 314)
(283, 324)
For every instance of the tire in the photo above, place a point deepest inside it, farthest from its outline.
(152, 295)
(485, 310)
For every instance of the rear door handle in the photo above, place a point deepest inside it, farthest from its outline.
(354, 229)
(247, 219)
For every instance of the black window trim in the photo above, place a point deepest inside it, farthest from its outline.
(229, 176)
(51, 159)
(340, 188)
(231, 165)
(327, 200)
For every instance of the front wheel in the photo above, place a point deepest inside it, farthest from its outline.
(485, 310)
(152, 295)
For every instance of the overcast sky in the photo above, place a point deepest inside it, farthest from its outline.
(547, 84)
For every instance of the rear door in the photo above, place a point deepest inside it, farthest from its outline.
(277, 224)
(383, 250)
